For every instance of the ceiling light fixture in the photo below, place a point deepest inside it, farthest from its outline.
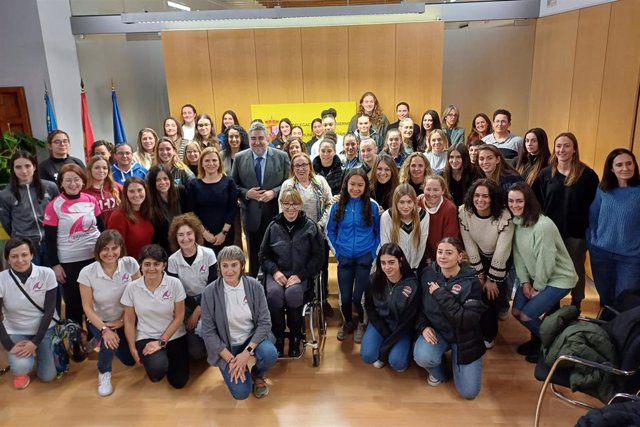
(178, 6)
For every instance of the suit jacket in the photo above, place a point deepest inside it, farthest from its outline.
(276, 169)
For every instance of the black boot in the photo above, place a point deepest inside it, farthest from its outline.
(530, 347)
(277, 327)
(294, 321)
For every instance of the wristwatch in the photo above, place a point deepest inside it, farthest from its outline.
(225, 232)
(249, 349)
(163, 342)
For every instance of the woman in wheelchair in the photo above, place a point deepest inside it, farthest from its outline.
(452, 306)
(290, 257)
(392, 304)
(542, 264)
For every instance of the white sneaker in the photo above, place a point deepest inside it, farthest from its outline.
(489, 344)
(378, 364)
(104, 384)
(433, 382)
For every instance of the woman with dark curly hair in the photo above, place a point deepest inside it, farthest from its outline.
(354, 232)
(487, 232)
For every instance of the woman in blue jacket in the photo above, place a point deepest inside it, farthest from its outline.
(392, 303)
(354, 233)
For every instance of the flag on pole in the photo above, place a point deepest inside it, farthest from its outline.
(51, 115)
(119, 137)
(87, 129)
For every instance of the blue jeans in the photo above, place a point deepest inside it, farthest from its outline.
(467, 378)
(46, 367)
(106, 354)
(537, 306)
(613, 274)
(266, 356)
(353, 276)
(370, 348)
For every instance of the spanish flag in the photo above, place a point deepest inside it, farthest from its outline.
(87, 128)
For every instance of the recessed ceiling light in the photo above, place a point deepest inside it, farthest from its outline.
(178, 6)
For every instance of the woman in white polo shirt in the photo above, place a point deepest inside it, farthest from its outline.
(236, 325)
(26, 330)
(156, 302)
(195, 266)
(102, 284)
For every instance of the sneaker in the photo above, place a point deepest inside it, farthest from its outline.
(357, 335)
(260, 387)
(378, 364)
(345, 329)
(433, 381)
(104, 384)
(503, 314)
(20, 382)
(489, 344)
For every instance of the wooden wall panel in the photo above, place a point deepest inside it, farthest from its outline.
(325, 67)
(372, 50)
(554, 54)
(621, 80)
(636, 136)
(186, 61)
(591, 47)
(279, 65)
(233, 73)
(418, 68)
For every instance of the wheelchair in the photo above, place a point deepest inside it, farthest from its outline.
(314, 325)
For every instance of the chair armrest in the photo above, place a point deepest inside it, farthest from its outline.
(591, 320)
(596, 365)
(625, 396)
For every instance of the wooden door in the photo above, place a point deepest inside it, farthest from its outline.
(14, 114)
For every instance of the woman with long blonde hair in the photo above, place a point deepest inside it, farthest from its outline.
(406, 224)
(147, 142)
(414, 170)
(167, 156)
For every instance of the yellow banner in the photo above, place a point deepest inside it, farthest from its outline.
(302, 115)
(3, 234)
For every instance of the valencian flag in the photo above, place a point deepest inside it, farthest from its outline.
(51, 116)
(119, 137)
(87, 129)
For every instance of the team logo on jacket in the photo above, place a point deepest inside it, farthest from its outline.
(202, 268)
(166, 296)
(37, 287)
(407, 291)
(125, 277)
(455, 289)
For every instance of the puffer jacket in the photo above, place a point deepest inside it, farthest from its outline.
(292, 252)
(614, 415)
(24, 218)
(333, 174)
(393, 314)
(454, 310)
(562, 334)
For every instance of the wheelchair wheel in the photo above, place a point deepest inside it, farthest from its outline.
(316, 357)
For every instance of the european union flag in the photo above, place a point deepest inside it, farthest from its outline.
(119, 136)
(51, 116)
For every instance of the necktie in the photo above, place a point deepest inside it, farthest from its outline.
(259, 170)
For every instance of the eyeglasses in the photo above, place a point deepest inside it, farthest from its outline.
(60, 142)
(301, 166)
(124, 153)
(290, 205)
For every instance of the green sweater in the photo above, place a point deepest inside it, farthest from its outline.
(540, 256)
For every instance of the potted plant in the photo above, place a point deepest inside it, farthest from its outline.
(10, 143)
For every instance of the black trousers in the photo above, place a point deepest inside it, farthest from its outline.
(254, 240)
(71, 290)
(172, 361)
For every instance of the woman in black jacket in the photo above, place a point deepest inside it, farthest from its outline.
(289, 259)
(328, 163)
(392, 304)
(450, 319)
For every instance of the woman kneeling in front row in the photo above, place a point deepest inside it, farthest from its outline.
(450, 319)
(156, 301)
(236, 325)
(392, 303)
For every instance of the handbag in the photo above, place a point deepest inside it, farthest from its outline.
(68, 339)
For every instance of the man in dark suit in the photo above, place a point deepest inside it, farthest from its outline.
(258, 173)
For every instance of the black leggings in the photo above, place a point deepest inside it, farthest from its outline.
(71, 290)
(172, 361)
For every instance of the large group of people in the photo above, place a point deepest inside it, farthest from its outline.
(433, 230)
